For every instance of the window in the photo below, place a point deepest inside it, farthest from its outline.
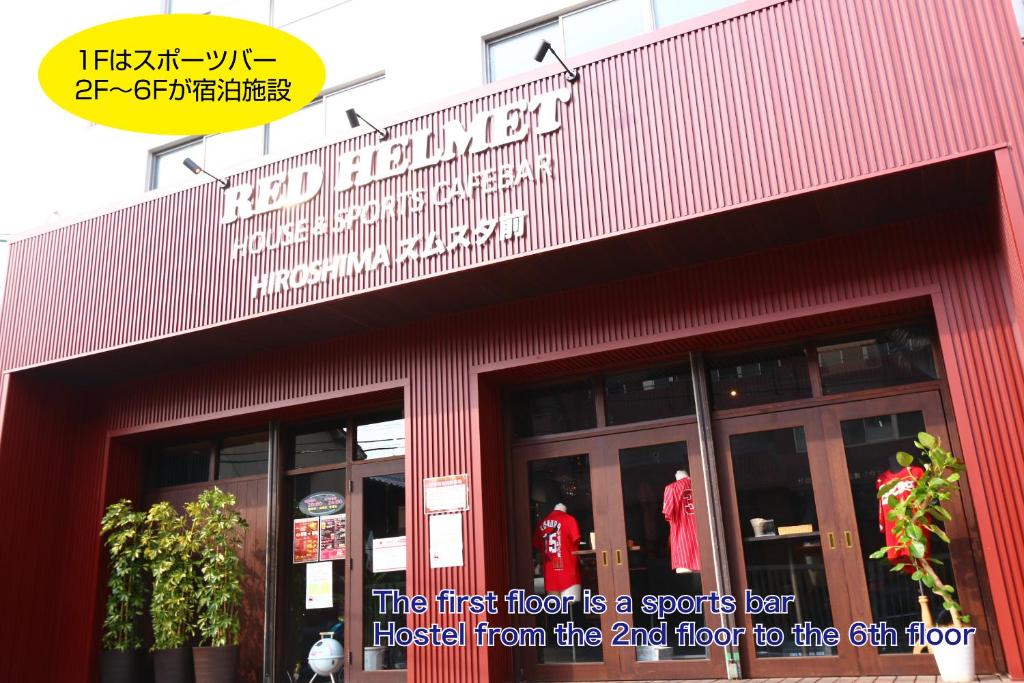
(603, 24)
(514, 54)
(590, 28)
(180, 464)
(195, 462)
(552, 410)
(1018, 11)
(759, 377)
(648, 395)
(318, 121)
(243, 456)
(881, 359)
(668, 12)
(380, 436)
(324, 444)
(168, 170)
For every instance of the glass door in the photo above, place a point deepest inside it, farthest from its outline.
(661, 546)
(565, 549)
(863, 439)
(777, 495)
(378, 562)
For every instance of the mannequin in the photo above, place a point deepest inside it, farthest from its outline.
(680, 513)
(557, 537)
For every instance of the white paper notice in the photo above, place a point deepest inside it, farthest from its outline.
(446, 494)
(319, 585)
(446, 541)
(389, 554)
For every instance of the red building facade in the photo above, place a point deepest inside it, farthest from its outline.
(779, 174)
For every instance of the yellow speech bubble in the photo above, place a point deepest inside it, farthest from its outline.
(182, 74)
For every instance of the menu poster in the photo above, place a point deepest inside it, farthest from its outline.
(305, 540)
(332, 537)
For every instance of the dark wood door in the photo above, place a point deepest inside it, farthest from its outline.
(863, 438)
(783, 537)
(642, 464)
(576, 474)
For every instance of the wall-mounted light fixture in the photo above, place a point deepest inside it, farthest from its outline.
(354, 118)
(545, 47)
(197, 169)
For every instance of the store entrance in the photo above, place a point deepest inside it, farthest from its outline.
(799, 502)
(596, 521)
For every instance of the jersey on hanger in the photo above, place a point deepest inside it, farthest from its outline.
(557, 537)
(906, 476)
(682, 520)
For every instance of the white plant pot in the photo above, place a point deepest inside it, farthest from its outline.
(373, 658)
(955, 662)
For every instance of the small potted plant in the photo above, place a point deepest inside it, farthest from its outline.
(218, 530)
(916, 513)
(123, 530)
(169, 552)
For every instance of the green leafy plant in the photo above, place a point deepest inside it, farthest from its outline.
(123, 529)
(169, 550)
(218, 530)
(922, 510)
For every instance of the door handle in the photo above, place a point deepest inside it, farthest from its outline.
(848, 537)
(831, 541)
(604, 558)
(618, 556)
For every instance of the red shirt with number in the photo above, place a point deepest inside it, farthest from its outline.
(905, 479)
(682, 521)
(557, 537)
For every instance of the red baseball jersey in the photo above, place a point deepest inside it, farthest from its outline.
(557, 537)
(906, 478)
(682, 521)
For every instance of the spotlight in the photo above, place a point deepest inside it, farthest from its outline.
(354, 119)
(197, 169)
(545, 47)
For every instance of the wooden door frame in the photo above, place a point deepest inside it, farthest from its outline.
(354, 608)
(607, 669)
(846, 661)
(713, 666)
(929, 403)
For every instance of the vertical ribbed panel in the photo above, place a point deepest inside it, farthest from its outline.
(782, 99)
(779, 98)
(960, 254)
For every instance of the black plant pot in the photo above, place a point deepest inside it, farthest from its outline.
(173, 666)
(215, 664)
(118, 666)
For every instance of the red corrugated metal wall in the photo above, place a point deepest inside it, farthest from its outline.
(956, 258)
(785, 97)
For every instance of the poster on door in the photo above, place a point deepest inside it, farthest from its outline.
(332, 537)
(305, 540)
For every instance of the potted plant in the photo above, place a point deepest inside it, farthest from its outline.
(172, 606)
(123, 530)
(218, 530)
(917, 512)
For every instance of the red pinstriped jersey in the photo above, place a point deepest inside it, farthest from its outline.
(679, 511)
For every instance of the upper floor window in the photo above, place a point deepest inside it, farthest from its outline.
(1018, 11)
(589, 28)
(321, 120)
(168, 170)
